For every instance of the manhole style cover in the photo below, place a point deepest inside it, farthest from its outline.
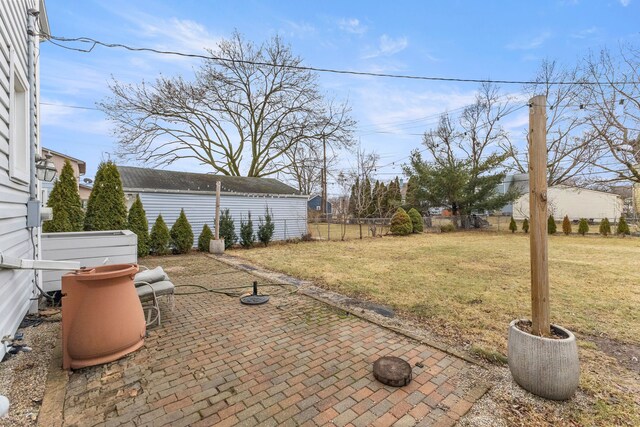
(392, 371)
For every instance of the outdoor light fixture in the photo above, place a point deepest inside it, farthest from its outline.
(45, 169)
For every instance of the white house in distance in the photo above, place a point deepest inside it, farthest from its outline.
(19, 204)
(166, 192)
(573, 202)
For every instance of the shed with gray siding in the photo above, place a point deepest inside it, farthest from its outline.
(166, 192)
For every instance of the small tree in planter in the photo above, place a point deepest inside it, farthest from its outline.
(159, 238)
(583, 226)
(266, 229)
(551, 226)
(401, 223)
(416, 220)
(513, 226)
(525, 225)
(247, 237)
(228, 229)
(605, 227)
(181, 234)
(623, 227)
(566, 226)
(543, 358)
(137, 221)
(204, 239)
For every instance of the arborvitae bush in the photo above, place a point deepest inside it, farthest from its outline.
(106, 209)
(551, 225)
(247, 237)
(227, 229)
(181, 234)
(159, 238)
(265, 229)
(137, 222)
(525, 225)
(64, 201)
(583, 226)
(204, 239)
(513, 226)
(416, 220)
(401, 223)
(566, 226)
(623, 227)
(59, 223)
(605, 227)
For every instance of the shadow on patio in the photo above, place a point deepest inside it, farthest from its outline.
(293, 361)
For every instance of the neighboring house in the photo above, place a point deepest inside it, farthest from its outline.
(58, 159)
(19, 213)
(166, 192)
(314, 204)
(85, 192)
(562, 200)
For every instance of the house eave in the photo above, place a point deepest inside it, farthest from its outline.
(222, 193)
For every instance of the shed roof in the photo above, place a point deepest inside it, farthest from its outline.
(141, 179)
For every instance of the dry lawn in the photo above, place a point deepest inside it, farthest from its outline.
(467, 287)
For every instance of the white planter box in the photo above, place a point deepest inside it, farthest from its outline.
(90, 248)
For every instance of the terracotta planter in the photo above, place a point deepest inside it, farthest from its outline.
(546, 367)
(216, 246)
(102, 318)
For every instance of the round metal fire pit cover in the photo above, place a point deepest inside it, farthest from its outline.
(254, 299)
(392, 371)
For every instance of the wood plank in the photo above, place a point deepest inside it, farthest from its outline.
(538, 213)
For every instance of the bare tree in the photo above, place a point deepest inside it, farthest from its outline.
(614, 99)
(245, 109)
(359, 175)
(569, 144)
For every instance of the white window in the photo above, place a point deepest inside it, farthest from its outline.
(18, 122)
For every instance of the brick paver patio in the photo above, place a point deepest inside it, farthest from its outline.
(293, 361)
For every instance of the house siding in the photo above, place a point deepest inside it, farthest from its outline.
(16, 286)
(289, 213)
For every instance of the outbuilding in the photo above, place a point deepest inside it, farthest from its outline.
(167, 192)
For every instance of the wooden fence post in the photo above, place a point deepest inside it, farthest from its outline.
(538, 215)
(217, 233)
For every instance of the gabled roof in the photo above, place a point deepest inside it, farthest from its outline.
(82, 166)
(136, 179)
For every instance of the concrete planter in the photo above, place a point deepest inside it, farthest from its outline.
(216, 246)
(546, 367)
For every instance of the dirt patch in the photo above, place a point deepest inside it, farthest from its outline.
(627, 355)
(23, 375)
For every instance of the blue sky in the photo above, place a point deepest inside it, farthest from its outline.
(466, 39)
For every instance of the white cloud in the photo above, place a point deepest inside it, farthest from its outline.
(586, 33)
(388, 46)
(352, 25)
(299, 29)
(625, 3)
(531, 43)
(177, 34)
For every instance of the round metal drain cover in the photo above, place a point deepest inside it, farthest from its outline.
(392, 371)
(254, 299)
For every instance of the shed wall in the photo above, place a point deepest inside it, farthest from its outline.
(289, 214)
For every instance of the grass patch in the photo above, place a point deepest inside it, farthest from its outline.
(490, 356)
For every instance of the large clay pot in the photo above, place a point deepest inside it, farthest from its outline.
(216, 246)
(546, 367)
(102, 318)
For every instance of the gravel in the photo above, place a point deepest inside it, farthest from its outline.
(23, 376)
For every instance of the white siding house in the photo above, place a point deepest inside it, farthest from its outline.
(17, 287)
(167, 192)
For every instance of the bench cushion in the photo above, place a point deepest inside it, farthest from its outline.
(163, 287)
(152, 276)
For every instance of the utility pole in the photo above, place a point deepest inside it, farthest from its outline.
(324, 176)
(538, 214)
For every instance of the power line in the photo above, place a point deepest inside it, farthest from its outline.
(94, 43)
(79, 107)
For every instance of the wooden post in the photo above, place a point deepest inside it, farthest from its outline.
(538, 216)
(217, 233)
